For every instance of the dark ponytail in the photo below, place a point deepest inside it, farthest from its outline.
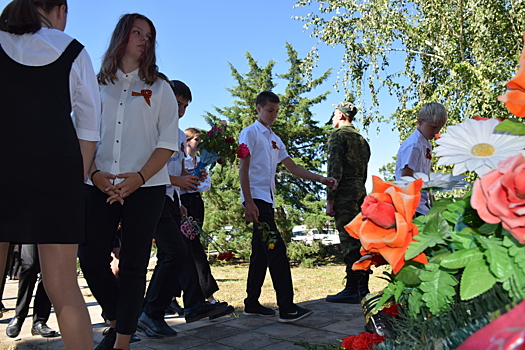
(22, 16)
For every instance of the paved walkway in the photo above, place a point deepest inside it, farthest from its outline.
(329, 323)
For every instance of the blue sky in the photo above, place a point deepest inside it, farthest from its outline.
(197, 39)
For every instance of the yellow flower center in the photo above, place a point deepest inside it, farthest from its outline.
(482, 150)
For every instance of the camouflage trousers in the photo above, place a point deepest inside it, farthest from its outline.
(345, 211)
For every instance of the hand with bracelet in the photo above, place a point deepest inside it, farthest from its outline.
(132, 182)
(103, 180)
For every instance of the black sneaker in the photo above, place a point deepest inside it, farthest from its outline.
(229, 309)
(107, 343)
(202, 310)
(296, 315)
(258, 310)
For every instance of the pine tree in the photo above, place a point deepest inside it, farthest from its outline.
(303, 137)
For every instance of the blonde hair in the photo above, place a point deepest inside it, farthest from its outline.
(433, 112)
(191, 133)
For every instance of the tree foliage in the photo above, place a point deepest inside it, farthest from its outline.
(295, 198)
(457, 52)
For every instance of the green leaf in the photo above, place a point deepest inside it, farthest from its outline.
(433, 232)
(461, 258)
(415, 302)
(409, 274)
(498, 257)
(512, 125)
(487, 229)
(438, 288)
(476, 279)
(464, 239)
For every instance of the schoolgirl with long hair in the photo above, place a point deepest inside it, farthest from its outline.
(127, 184)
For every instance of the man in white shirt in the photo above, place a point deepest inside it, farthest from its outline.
(257, 176)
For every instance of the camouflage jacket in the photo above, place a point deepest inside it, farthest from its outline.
(348, 155)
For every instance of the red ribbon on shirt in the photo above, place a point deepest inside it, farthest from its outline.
(429, 155)
(146, 93)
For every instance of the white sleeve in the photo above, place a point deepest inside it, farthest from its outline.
(85, 98)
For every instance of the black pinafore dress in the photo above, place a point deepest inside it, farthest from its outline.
(41, 175)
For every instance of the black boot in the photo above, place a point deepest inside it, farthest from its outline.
(355, 290)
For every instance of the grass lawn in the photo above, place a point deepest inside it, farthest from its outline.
(309, 283)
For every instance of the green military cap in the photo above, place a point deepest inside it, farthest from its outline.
(347, 108)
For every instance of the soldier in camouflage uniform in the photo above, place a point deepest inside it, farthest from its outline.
(348, 155)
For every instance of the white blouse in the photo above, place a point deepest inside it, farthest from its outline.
(137, 118)
(46, 46)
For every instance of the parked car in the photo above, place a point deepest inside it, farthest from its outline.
(307, 235)
(331, 237)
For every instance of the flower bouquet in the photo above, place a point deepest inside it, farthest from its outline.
(462, 263)
(191, 229)
(218, 146)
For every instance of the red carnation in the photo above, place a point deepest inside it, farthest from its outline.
(243, 151)
(363, 341)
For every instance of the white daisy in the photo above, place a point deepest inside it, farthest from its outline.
(436, 181)
(474, 146)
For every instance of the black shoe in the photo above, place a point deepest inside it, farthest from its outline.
(175, 308)
(42, 329)
(203, 309)
(297, 315)
(346, 296)
(229, 309)
(14, 327)
(3, 309)
(107, 343)
(158, 327)
(134, 338)
(258, 310)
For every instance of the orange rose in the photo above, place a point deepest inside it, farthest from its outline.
(499, 196)
(514, 98)
(380, 213)
(390, 243)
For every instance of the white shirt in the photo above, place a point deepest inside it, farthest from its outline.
(264, 157)
(205, 185)
(46, 46)
(413, 153)
(132, 129)
(175, 165)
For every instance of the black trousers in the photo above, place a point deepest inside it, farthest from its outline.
(195, 206)
(120, 298)
(275, 259)
(29, 275)
(172, 259)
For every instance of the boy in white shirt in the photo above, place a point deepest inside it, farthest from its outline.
(257, 177)
(415, 153)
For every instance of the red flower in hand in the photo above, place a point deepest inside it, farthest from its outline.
(243, 151)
